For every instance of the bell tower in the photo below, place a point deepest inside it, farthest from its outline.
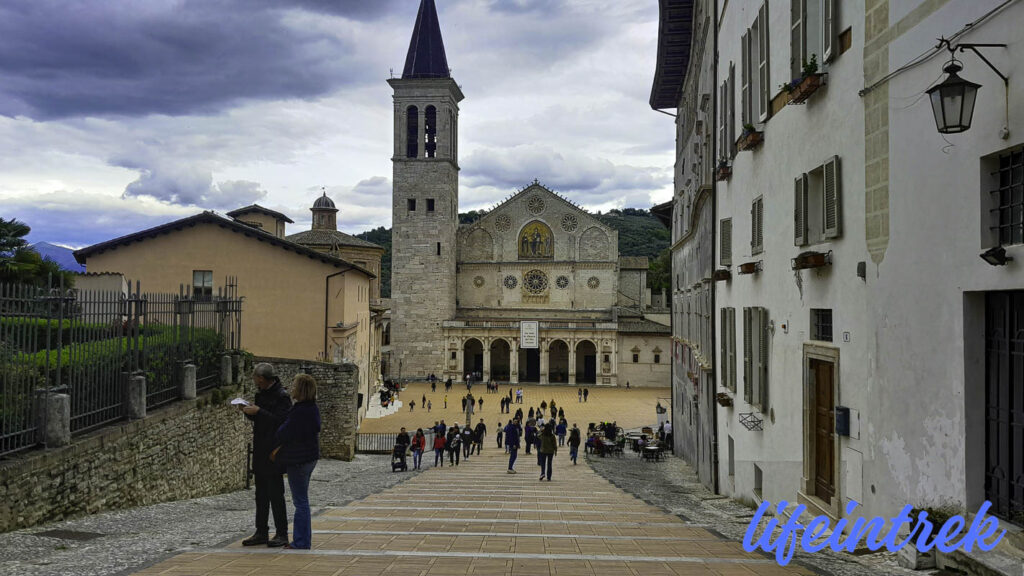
(425, 201)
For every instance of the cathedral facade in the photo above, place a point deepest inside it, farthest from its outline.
(535, 291)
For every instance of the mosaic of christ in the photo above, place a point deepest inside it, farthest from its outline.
(535, 241)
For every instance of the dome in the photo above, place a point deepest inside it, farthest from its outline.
(324, 202)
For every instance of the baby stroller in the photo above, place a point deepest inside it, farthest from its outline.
(398, 458)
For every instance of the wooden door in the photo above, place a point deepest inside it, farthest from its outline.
(824, 431)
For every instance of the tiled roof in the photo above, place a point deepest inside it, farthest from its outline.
(642, 326)
(329, 238)
(261, 210)
(675, 33)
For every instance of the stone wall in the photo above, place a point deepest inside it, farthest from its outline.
(190, 449)
(337, 396)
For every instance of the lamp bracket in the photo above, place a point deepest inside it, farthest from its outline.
(973, 47)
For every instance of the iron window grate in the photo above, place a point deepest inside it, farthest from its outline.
(821, 324)
(1008, 199)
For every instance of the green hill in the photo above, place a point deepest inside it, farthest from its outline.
(640, 234)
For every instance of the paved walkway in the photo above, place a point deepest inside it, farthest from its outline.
(632, 408)
(477, 519)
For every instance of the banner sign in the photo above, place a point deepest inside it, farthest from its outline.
(529, 334)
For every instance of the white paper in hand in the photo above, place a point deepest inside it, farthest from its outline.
(239, 402)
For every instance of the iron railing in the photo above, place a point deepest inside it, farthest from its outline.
(384, 442)
(86, 343)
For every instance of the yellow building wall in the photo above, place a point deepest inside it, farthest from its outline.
(283, 307)
(645, 372)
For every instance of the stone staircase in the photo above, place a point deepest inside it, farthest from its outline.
(375, 410)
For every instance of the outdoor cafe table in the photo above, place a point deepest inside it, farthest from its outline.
(652, 453)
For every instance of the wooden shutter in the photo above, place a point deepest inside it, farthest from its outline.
(757, 226)
(762, 359)
(832, 199)
(723, 334)
(725, 239)
(800, 210)
(748, 385)
(731, 123)
(797, 39)
(723, 144)
(764, 90)
(828, 29)
(745, 78)
(732, 349)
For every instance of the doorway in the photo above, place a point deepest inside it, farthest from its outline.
(473, 358)
(824, 428)
(1004, 403)
(586, 363)
(529, 365)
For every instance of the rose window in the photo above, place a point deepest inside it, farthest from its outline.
(535, 282)
(562, 282)
(511, 282)
(593, 282)
(569, 223)
(535, 205)
(503, 223)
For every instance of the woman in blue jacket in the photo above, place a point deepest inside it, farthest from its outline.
(299, 449)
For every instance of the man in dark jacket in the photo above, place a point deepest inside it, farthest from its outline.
(479, 434)
(267, 415)
(512, 443)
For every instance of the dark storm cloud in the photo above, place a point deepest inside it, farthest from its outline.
(78, 58)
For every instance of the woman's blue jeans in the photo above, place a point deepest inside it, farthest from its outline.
(417, 456)
(298, 481)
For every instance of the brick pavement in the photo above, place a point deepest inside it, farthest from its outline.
(477, 519)
(630, 408)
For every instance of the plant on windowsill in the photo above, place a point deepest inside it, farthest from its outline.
(800, 89)
(723, 171)
(722, 274)
(750, 267)
(750, 138)
(724, 399)
(811, 259)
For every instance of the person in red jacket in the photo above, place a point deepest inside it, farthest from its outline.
(439, 442)
(419, 442)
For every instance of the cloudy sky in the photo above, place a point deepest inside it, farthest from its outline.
(116, 115)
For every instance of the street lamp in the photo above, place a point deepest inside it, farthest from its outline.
(953, 99)
(996, 256)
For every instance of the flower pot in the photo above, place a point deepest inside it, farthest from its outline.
(750, 267)
(809, 260)
(807, 86)
(749, 140)
(724, 399)
(723, 172)
(721, 274)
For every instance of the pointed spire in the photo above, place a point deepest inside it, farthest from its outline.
(426, 57)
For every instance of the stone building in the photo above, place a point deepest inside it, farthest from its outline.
(684, 82)
(529, 293)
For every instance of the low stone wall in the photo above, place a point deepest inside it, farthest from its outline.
(337, 397)
(189, 449)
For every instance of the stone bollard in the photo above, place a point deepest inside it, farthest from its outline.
(53, 418)
(187, 387)
(225, 370)
(135, 399)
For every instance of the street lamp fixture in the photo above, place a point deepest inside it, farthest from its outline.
(996, 256)
(953, 99)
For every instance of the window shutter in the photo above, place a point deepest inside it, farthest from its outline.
(753, 227)
(731, 123)
(725, 238)
(833, 205)
(800, 211)
(757, 222)
(797, 45)
(764, 97)
(745, 78)
(828, 29)
(748, 385)
(732, 349)
(723, 145)
(762, 359)
(724, 359)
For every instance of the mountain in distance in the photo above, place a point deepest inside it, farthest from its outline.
(64, 257)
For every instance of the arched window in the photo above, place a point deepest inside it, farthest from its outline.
(412, 124)
(430, 130)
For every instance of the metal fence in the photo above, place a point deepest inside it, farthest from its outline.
(86, 343)
(384, 442)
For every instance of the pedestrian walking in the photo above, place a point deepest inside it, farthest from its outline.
(586, 392)
(561, 413)
(560, 431)
(452, 444)
(467, 441)
(546, 450)
(446, 401)
(481, 402)
(298, 441)
(463, 403)
(500, 434)
(439, 442)
(574, 443)
(433, 385)
(530, 414)
(579, 394)
(419, 442)
(412, 405)
(530, 432)
(479, 434)
(430, 404)
(512, 444)
(403, 438)
(268, 411)
(627, 384)
(424, 402)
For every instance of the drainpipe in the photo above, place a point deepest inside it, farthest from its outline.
(714, 235)
(327, 301)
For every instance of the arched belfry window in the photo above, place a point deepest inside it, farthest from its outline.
(430, 130)
(412, 126)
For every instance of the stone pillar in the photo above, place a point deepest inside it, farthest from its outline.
(53, 418)
(187, 386)
(487, 359)
(460, 363)
(421, 148)
(226, 370)
(544, 361)
(572, 363)
(238, 364)
(135, 399)
(513, 363)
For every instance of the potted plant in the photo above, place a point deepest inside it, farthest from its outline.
(800, 89)
(750, 267)
(723, 171)
(750, 138)
(807, 260)
(721, 274)
(724, 399)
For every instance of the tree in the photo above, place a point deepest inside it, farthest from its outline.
(21, 264)
(659, 274)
